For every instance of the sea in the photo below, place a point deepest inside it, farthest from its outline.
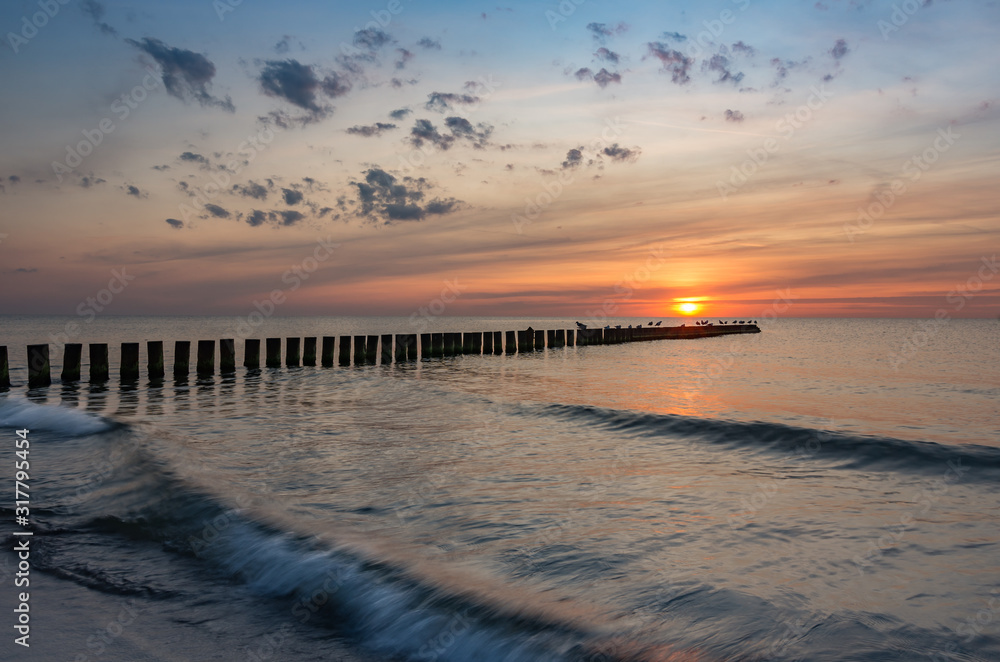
(827, 489)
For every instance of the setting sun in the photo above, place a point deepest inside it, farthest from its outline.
(688, 308)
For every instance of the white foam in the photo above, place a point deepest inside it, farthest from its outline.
(20, 413)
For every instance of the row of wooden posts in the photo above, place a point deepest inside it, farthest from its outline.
(299, 351)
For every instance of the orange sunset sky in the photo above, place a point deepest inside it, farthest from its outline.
(546, 158)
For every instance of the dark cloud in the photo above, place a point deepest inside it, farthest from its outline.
(404, 57)
(192, 157)
(371, 38)
(430, 44)
(291, 196)
(674, 36)
(621, 154)
(734, 116)
(584, 73)
(95, 11)
(459, 128)
(14, 179)
(375, 129)
(186, 74)
(335, 85)
(574, 158)
(444, 101)
(90, 180)
(839, 49)
(400, 113)
(601, 31)
(605, 78)
(674, 62)
(251, 190)
(607, 55)
(462, 128)
(174, 223)
(293, 81)
(740, 47)
(217, 211)
(285, 44)
(424, 131)
(720, 65)
(131, 189)
(384, 199)
(161, 167)
(256, 218)
(286, 217)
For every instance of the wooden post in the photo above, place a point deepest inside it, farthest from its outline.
(487, 343)
(511, 346)
(437, 345)
(38, 366)
(467, 343)
(227, 356)
(4, 368)
(539, 339)
(72, 353)
(154, 359)
(497, 343)
(522, 342)
(560, 338)
(292, 348)
(401, 343)
(128, 371)
(371, 353)
(273, 348)
(309, 351)
(477, 343)
(411, 347)
(550, 337)
(326, 355)
(360, 345)
(570, 337)
(98, 362)
(206, 358)
(251, 353)
(345, 351)
(182, 359)
(386, 349)
(448, 344)
(425, 346)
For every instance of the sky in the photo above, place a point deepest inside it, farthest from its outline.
(582, 158)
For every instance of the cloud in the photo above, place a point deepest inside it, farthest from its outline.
(424, 131)
(161, 168)
(131, 189)
(298, 84)
(400, 113)
(256, 218)
(251, 190)
(95, 11)
(734, 116)
(286, 217)
(444, 101)
(720, 64)
(375, 129)
(607, 55)
(371, 38)
(430, 44)
(674, 36)
(174, 223)
(574, 158)
(674, 62)
(25, 270)
(384, 199)
(404, 57)
(622, 154)
(186, 75)
(291, 196)
(14, 179)
(217, 211)
(285, 45)
(605, 78)
(740, 47)
(192, 157)
(839, 49)
(90, 180)
(601, 31)
(584, 73)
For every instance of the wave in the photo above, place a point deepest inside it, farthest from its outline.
(859, 452)
(21, 413)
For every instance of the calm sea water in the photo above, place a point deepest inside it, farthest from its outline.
(824, 490)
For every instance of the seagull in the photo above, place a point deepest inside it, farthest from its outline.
(658, 323)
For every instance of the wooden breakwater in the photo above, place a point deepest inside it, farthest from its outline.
(381, 349)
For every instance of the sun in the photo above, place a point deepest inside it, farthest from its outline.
(688, 308)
